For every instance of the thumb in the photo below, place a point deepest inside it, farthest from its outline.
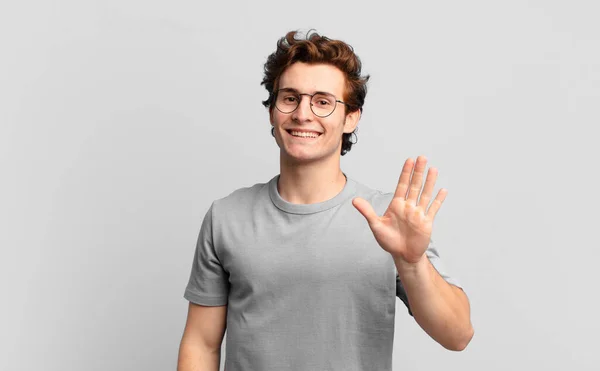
(365, 208)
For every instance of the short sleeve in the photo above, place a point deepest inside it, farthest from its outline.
(209, 282)
(434, 258)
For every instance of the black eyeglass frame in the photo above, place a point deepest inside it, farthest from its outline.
(276, 93)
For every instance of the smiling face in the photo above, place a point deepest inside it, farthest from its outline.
(308, 79)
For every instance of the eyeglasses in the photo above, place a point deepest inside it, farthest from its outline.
(321, 104)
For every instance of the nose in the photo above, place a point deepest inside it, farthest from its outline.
(303, 112)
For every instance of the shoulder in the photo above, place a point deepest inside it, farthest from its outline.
(243, 198)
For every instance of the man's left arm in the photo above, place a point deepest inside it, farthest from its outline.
(404, 230)
(440, 308)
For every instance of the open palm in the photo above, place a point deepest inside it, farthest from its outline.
(404, 230)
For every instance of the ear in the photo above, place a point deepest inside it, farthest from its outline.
(351, 121)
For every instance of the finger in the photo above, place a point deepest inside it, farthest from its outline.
(365, 208)
(428, 189)
(437, 203)
(417, 180)
(404, 180)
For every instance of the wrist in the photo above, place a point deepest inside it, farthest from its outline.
(407, 266)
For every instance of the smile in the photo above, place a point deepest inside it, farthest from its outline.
(303, 135)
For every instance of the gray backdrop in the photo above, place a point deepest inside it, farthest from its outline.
(117, 132)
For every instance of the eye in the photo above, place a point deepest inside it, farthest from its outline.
(323, 101)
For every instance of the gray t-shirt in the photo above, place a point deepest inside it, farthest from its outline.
(307, 286)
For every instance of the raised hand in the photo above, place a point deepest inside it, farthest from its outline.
(404, 230)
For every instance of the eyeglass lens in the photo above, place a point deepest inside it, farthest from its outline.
(321, 104)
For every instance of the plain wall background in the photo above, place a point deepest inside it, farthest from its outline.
(117, 132)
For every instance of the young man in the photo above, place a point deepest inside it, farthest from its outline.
(301, 270)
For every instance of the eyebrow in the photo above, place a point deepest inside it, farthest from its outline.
(296, 91)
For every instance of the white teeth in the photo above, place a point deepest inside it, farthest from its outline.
(304, 134)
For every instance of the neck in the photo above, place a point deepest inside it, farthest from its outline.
(310, 183)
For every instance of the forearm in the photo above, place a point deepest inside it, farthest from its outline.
(194, 357)
(441, 309)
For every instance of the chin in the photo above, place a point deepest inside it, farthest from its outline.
(306, 157)
(300, 159)
(300, 156)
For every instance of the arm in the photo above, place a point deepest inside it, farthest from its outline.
(200, 348)
(441, 309)
(404, 230)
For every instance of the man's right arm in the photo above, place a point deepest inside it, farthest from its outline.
(200, 348)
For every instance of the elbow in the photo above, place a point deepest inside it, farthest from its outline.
(461, 343)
